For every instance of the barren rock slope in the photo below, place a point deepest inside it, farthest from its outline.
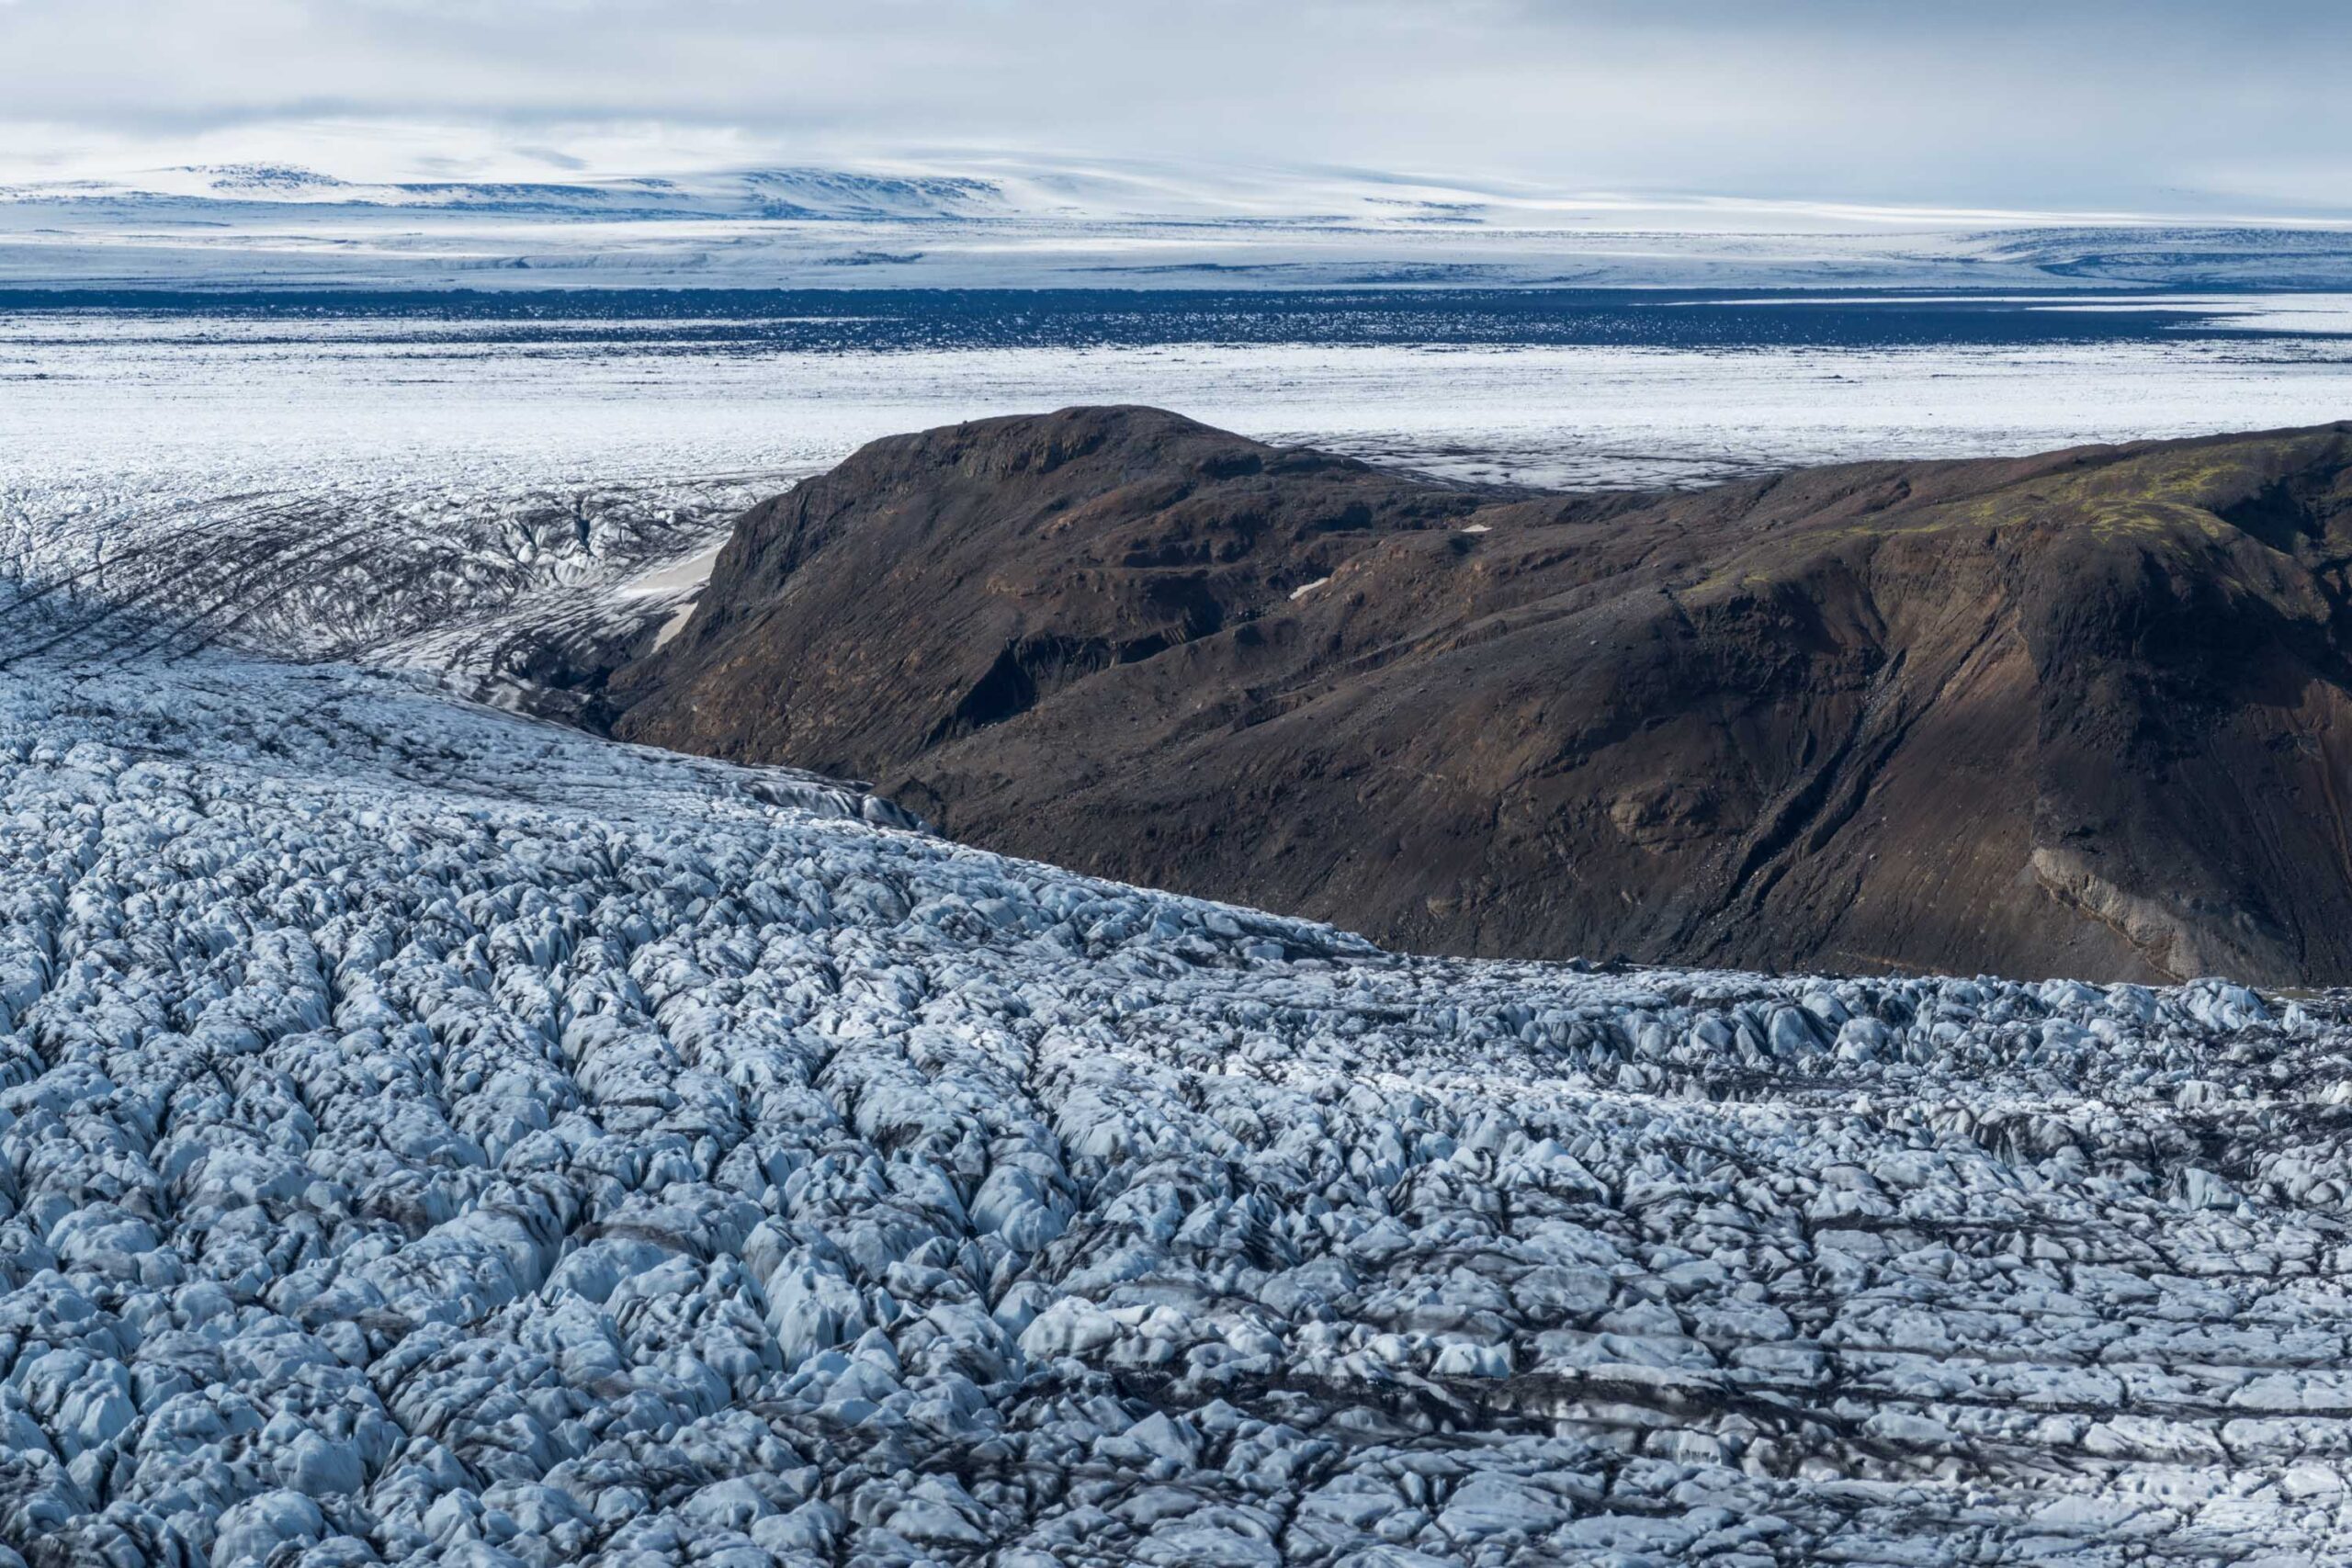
(2077, 714)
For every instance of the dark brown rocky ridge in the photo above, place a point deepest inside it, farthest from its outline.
(2084, 712)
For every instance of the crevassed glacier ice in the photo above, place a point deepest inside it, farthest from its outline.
(435, 1135)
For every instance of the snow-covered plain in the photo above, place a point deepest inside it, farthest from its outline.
(428, 1134)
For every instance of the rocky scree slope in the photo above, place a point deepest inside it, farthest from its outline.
(431, 1136)
(2083, 712)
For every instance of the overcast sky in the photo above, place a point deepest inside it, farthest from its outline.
(2157, 105)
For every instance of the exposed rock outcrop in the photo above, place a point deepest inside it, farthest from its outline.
(2084, 712)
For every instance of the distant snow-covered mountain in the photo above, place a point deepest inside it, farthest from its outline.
(1028, 222)
(743, 194)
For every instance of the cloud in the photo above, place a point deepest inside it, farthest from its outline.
(1999, 102)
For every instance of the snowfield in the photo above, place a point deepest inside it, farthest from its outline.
(435, 1135)
(432, 1135)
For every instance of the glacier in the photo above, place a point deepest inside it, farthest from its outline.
(434, 1135)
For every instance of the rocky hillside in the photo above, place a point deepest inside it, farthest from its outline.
(2079, 714)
